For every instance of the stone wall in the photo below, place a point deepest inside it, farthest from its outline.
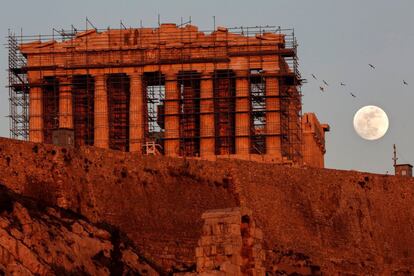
(158, 202)
(313, 141)
(313, 220)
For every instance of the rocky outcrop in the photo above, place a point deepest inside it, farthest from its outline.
(40, 240)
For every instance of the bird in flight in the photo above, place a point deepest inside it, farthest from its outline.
(372, 66)
(352, 95)
(313, 76)
(321, 88)
(325, 83)
(343, 84)
(406, 83)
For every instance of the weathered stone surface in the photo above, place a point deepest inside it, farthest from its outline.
(313, 220)
(230, 249)
(38, 240)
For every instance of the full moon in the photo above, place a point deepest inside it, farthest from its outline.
(371, 122)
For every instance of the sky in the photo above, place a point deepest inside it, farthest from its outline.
(337, 41)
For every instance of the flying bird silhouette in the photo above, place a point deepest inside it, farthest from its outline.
(321, 88)
(352, 95)
(325, 82)
(343, 84)
(313, 76)
(406, 83)
(372, 66)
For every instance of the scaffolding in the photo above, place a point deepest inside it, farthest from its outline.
(72, 57)
(18, 90)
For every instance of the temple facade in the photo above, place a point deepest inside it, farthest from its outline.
(172, 90)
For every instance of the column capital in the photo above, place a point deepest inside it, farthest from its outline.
(271, 73)
(101, 77)
(64, 77)
(242, 73)
(65, 83)
(206, 75)
(135, 76)
(170, 75)
(137, 73)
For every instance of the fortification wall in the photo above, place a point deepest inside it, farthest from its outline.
(312, 219)
(158, 202)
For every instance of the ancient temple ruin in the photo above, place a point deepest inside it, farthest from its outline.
(172, 90)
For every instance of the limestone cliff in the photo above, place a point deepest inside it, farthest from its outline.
(40, 240)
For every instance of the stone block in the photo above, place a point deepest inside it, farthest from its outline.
(206, 240)
(230, 268)
(200, 263)
(260, 271)
(237, 259)
(209, 263)
(221, 213)
(207, 230)
(199, 252)
(235, 240)
(220, 259)
(212, 273)
(232, 219)
(220, 249)
(207, 250)
(229, 250)
(234, 229)
(249, 241)
(258, 261)
(213, 250)
(218, 229)
(256, 253)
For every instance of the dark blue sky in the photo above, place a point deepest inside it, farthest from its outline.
(337, 40)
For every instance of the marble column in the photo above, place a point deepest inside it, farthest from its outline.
(65, 103)
(273, 131)
(36, 113)
(207, 115)
(136, 115)
(242, 112)
(101, 113)
(172, 115)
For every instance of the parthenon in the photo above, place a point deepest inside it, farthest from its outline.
(171, 90)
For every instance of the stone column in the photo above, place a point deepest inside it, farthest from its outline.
(101, 113)
(273, 141)
(172, 117)
(207, 115)
(136, 115)
(242, 112)
(36, 113)
(65, 103)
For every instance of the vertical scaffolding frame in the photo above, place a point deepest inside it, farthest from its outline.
(258, 112)
(189, 88)
(83, 88)
(154, 97)
(18, 90)
(118, 90)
